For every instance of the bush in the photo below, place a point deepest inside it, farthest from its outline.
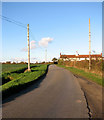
(96, 65)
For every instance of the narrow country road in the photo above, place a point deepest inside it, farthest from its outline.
(58, 95)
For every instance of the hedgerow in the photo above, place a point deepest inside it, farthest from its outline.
(23, 80)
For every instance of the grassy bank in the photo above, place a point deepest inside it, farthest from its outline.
(90, 76)
(22, 79)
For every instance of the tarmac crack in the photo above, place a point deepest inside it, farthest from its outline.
(88, 107)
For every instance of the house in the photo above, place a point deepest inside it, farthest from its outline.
(80, 57)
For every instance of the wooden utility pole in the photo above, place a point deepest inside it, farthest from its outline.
(89, 46)
(46, 55)
(28, 47)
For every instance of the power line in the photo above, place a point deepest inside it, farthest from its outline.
(19, 24)
(13, 21)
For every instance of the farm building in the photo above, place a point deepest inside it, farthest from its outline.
(80, 57)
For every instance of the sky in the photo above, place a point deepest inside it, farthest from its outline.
(59, 27)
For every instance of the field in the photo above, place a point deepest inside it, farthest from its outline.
(15, 77)
(11, 67)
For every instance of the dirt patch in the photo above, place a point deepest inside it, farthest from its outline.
(27, 70)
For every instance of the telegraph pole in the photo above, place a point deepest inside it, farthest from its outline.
(89, 46)
(46, 55)
(28, 47)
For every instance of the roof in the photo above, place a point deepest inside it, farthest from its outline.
(80, 56)
(67, 56)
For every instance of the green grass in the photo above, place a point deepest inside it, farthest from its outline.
(90, 76)
(12, 67)
(22, 79)
(12, 71)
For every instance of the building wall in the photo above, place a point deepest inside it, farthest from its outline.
(78, 59)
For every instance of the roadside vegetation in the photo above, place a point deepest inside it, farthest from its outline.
(81, 69)
(15, 80)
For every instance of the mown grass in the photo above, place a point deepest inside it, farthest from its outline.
(12, 67)
(21, 80)
(90, 76)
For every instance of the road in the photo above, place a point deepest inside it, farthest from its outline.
(57, 95)
(93, 93)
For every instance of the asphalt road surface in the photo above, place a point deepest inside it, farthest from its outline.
(57, 95)
(93, 93)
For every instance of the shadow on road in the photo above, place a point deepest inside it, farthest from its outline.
(35, 84)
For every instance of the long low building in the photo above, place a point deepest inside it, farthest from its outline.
(80, 57)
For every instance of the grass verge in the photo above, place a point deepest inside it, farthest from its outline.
(23, 80)
(88, 75)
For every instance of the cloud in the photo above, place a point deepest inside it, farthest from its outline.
(44, 41)
(32, 46)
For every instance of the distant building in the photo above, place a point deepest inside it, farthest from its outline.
(80, 57)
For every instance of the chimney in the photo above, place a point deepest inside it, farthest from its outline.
(60, 55)
(77, 53)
